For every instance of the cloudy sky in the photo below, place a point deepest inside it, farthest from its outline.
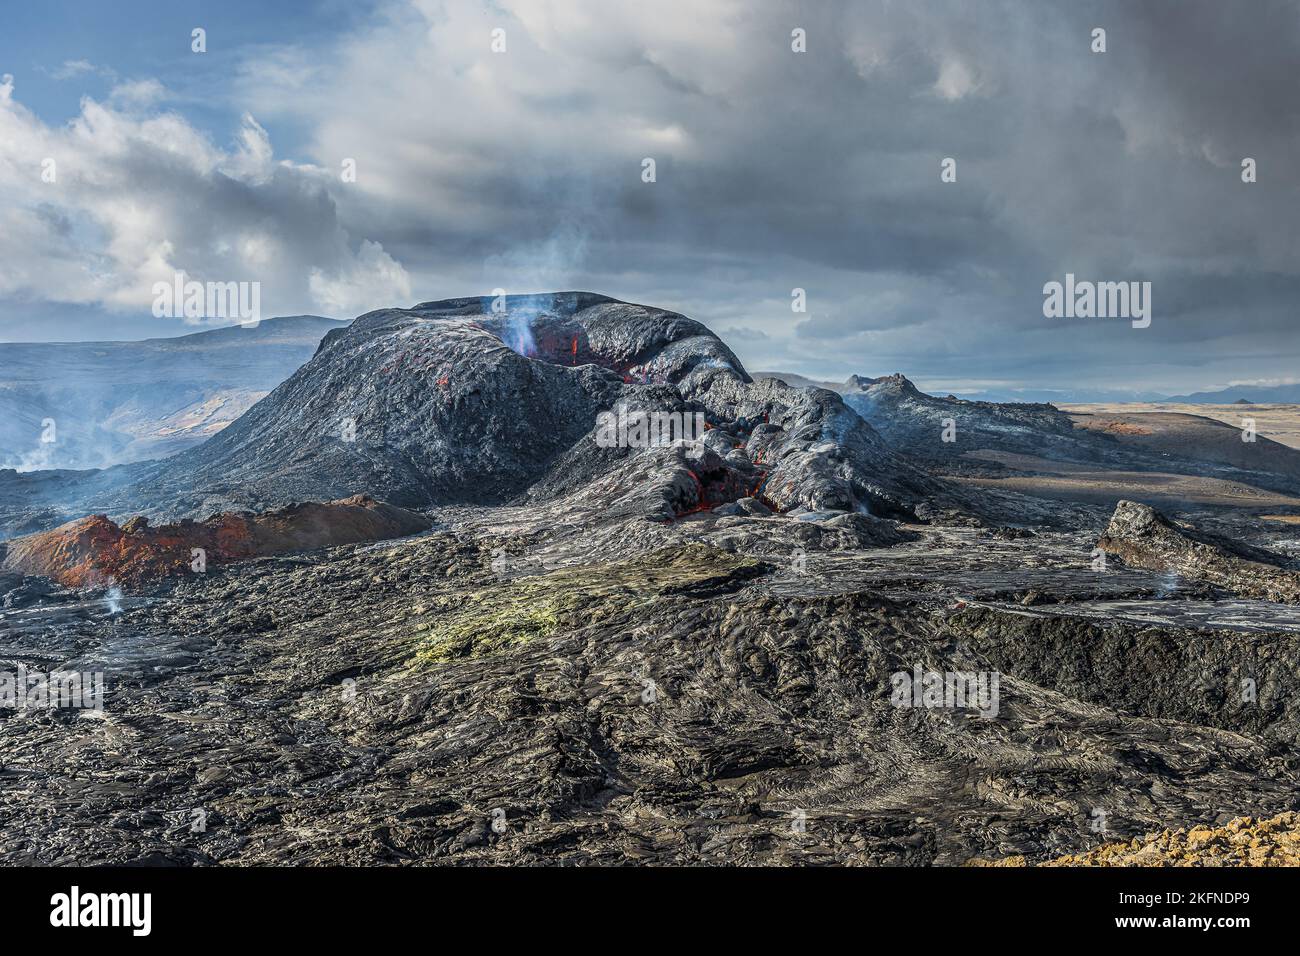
(775, 170)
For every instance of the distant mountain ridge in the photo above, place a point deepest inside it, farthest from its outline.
(116, 402)
(1244, 394)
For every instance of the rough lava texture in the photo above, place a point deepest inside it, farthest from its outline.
(377, 703)
(96, 551)
(1144, 538)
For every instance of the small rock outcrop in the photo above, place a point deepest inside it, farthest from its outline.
(1144, 538)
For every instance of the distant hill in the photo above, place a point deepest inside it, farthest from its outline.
(1244, 395)
(116, 402)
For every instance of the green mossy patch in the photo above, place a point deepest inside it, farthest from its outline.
(514, 613)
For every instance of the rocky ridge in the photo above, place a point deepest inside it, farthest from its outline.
(954, 437)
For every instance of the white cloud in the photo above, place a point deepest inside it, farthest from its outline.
(372, 277)
(955, 80)
(73, 68)
(253, 161)
(137, 195)
(138, 93)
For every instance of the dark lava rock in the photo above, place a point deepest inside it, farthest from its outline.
(942, 434)
(24, 590)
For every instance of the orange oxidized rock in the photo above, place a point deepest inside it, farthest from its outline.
(94, 551)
